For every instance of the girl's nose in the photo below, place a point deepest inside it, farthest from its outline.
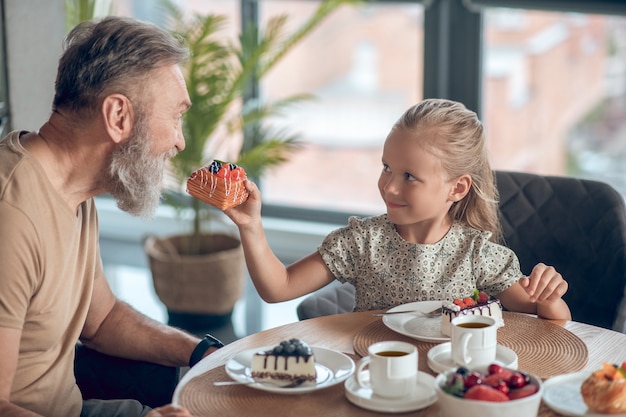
(390, 186)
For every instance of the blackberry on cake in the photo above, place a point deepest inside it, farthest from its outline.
(479, 303)
(291, 360)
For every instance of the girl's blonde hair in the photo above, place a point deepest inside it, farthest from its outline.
(456, 137)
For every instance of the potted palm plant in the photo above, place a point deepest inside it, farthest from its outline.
(199, 276)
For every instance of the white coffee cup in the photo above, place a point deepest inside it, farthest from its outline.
(474, 341)
(392, 369)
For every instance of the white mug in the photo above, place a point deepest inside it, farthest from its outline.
(392, 369)
(474, 341)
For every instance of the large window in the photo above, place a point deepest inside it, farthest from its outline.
(554, 93)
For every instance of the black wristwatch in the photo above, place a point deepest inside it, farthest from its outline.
(207, 342)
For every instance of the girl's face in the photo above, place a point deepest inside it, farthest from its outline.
(413, 187)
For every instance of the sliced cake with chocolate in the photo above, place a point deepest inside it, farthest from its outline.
(291, 360)
(479, 303)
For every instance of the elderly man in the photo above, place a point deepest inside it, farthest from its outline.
(116, 119)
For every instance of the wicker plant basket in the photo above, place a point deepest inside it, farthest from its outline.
(200, 284)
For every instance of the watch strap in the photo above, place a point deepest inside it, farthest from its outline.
(207, 342)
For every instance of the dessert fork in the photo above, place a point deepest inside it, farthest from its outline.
(435, 313)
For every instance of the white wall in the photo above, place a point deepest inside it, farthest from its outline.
(35, 31)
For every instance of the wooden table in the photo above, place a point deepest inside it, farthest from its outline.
(338, 333)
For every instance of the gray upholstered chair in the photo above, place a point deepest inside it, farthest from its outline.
(578, 226)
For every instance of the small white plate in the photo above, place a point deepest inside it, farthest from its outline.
(332, 367)
(440, 357)
(415, 325)
(562, 394)
(424, 395)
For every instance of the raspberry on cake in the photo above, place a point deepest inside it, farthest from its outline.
(479, 304)
(291, 360)
(220, 184)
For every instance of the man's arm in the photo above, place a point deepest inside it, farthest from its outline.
(9, 348)
(115, 328)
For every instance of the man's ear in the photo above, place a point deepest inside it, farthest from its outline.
(461, 187)
(118, 116)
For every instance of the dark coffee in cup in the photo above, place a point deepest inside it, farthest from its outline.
(392, 353)
(473, 325)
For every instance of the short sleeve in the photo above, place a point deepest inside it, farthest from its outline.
(20, 271)
(496, 268)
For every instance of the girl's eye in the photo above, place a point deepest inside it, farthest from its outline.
(386, 168)
(410, 177)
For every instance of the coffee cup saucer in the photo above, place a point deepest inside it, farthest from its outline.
(423, 396)
(440, 357)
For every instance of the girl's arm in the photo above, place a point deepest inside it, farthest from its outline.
(273, 281)
(540, 293)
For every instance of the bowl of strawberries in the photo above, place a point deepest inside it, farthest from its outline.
(493, 392)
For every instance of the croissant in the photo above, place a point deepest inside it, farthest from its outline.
(220, 184)
(604, 391)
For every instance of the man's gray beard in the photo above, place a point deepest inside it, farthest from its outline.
(136, 175)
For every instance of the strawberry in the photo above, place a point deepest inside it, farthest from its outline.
(237, 173)
(482, 297)
(223, 172)
(485, 393)
(469, 302)
(460, 303)
(525, 391)
(494, 379)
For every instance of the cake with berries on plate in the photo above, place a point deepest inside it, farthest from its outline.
(479, 303)
(291, 360)
(220, 184)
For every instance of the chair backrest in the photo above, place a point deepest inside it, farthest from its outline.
(577, 226)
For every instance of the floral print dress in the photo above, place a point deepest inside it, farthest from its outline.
(388, 271)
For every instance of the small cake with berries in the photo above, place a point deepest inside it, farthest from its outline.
(291, 360)
(220, 184)
(478, 304)
(604, 391)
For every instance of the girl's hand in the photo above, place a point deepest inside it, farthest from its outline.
(249, 211)
(544, 284)
(169, 411)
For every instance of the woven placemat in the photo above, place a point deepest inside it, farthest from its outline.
(542, 347)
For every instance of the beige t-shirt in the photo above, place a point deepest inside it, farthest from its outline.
(49, 257)
(388, 271)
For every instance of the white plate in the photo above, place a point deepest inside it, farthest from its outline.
(562, 394)
(424, 395)
(440, 357)
(415, 325)
(332, 367)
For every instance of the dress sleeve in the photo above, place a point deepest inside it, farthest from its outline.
(496, 268)
(344, 249)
